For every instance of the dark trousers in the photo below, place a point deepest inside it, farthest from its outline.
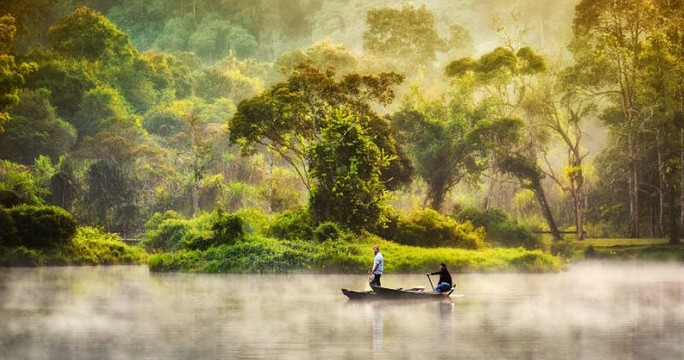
(376, 279)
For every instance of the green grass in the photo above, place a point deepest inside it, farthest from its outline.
(90, 246)
(267, 255)
(647, 249)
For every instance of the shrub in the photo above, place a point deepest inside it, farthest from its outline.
(327, 231)
(430, 229)
(43, 226)
(167, 236)
(8, 231)
(21, 256)
(92, 246)
(171, 232)
(9, 198)
(500, 229)
(292, 224)
(563, 248)
(227, 228)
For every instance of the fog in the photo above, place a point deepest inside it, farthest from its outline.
(593, 311)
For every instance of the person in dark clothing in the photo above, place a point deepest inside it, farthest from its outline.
(444, 284)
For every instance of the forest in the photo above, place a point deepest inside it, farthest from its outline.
(300, 132)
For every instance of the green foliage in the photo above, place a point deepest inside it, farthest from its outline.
(347, 165)
(20, 180)
(9, 198)
(164, 121)
(428, 228)
(264, 255)
(500, 229)
(42, 227)
(98, 105)
(170, 232)
(35, 130)
(68, 80)
(327, 231)
(216, 39)
(406, 33)
(88, 34)
(8, 230)
(499, 63)
(441, 147)
(110, 194)
(257, 255)
(324, 55)
(89, 246)
(13, 74)
(227, 229)
(562, 248)
(287, 117)
(292, 225)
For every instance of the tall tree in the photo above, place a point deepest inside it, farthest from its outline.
(615, 30)
(407, 34)
(35, 130)
(13, 74)
(504, 78)
(448, 142)
(347, 166)
(291, 119)
(288, 117)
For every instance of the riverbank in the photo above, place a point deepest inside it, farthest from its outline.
(90, 246)
(649, 249)
(258, 254)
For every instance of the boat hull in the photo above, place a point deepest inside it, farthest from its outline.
(399, 294)
(382, 293)
(360, 295)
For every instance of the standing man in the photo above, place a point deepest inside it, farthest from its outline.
(378, 265)
(444, 283)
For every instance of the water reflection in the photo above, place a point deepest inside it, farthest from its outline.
(593, 311)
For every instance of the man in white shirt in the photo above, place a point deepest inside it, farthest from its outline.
(378, 265)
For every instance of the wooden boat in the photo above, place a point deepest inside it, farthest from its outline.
(360, 295)
(371, 295)
(382, 293)
(401, 294)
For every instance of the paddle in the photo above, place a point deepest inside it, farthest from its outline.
(431, 286)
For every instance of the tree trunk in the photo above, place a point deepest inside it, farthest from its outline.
(546, 210)
(663, 204)
(681, 184)
(195, 198)
(579, 210)
(490, 186)
(633, 189)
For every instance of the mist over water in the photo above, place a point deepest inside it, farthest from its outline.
(593, 311)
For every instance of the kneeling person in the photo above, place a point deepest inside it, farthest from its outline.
(444, 284)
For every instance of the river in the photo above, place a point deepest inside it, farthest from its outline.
(595, 310)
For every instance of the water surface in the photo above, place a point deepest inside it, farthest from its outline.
(592, 311)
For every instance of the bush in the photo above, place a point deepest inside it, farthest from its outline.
(327, 231)
(167, 235)
(8, 231)
(91, 246)
(430, 229)
(9, 198)
(563, 248)
(170, 232)
(500, 229)
(292, 224)
(41, 226)
(227, 228)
